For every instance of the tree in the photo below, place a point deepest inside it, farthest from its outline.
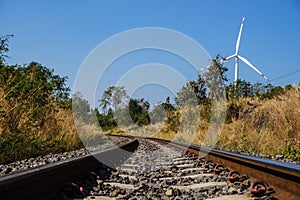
(106, 121)
(257, 89)
(116, 97)
(138, 110)
(215, 78)
(35, 89)
(35, 115)
(105, 100)
(193, 93)
(199, 88)
(158, 113)
(240, 88)
(34, 79)
(186, 96)
(273, 91)
(4, 48)
(119, 98)
(31, 95)
(168, 106)
(114, 103)
(81, 107)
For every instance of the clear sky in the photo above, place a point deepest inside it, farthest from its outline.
(61, 33)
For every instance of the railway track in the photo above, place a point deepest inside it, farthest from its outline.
(158, 169)
(46, 182)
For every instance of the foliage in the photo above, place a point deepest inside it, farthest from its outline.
(35, 115)
(4, 48)
(34, 86)
(113, 97)
(106, 120)
(158, 114)
(26, 131)
(232, 113)
(258, 118)
(114, 100)
(120, 109)
(193, 93)
(168, 107)
(138, 110)
(243, 89)
(33, 79)
(186, 96)
(240, 88)
(215, 78)
(291, 149)
(81, 107)
(173, 122)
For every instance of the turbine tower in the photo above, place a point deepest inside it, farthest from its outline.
(237, 57)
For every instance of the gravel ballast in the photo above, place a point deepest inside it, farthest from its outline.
(31, 163)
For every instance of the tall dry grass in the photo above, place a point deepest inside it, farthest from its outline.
(21, 136)
(271, 127)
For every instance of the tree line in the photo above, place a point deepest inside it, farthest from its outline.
(35, 110)
(31, 93)
(209, 85)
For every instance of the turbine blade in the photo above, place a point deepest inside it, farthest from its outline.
(228, 58)
(239, 37)
(250, 65)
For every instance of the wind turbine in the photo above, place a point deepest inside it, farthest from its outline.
(237, 57)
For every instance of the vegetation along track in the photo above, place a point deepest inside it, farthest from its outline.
(159, 169)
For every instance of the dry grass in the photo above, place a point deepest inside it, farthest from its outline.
(22, 137)
(90, 134)
(53, 132)
(271, 128)
(268, 128)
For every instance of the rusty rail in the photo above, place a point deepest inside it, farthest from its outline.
(46, 181)
(284, 178)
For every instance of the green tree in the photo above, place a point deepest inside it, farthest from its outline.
(186, 96)
(34, 89)
(81, 107)
(138, 110)
(33, 78)
(113, 97)
(257, 89)
(193, 93)
(240, 88)
(33, 101)
(4, 48)
(119, 98)
(199, 87)
(216, 78)
(114, 103)
(106, 99)
(158, 114)
(106, 121)
(273, 91)
(168, 106)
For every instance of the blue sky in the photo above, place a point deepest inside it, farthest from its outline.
(60, 34)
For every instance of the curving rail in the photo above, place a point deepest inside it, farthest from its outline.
(284, 178)
(45, 182)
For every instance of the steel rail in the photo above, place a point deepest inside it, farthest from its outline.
(46, 181)
(284, 178)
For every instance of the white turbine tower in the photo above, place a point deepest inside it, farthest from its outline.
(237, 57)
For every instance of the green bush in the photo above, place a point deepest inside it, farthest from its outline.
(291, 150)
